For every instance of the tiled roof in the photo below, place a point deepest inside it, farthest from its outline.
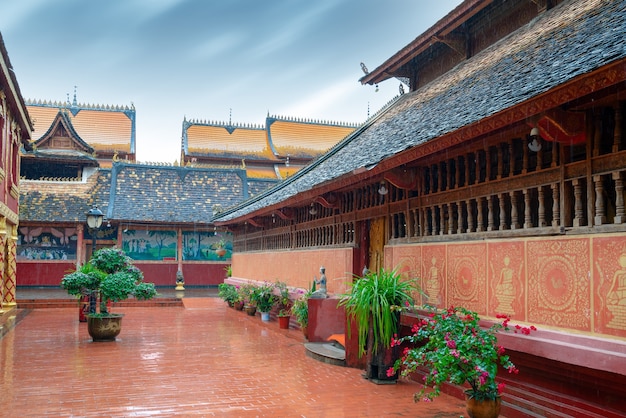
(166, 194)
(105, 128)
(572, 39)
(306, 139)
(261, 172)
(225, 140)
(62, 201)
(258, 186)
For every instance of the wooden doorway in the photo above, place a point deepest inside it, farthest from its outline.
(377, 235)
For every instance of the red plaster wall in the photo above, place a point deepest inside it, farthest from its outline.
(42, 274)
(297, 268)
(160, 273)
(325, 319)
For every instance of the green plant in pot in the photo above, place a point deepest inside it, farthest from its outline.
(451, 346)
(264, 298)
(284, 304)
(228, 293)
(374, 304)
(300, 310)
(108, 276)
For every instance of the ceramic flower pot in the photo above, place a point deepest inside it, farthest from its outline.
(250, 309)
(488, 408)
(265, 316)
(239, 305)
(104, 328)
(283, 322)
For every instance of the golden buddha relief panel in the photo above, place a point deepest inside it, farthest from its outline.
(506, 284)
(433, 273)
(609, 292)
(467, 276)
(559, 283)
(408, 262)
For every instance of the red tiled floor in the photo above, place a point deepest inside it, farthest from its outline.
(203, 360)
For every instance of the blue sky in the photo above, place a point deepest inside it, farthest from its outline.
(203, 59)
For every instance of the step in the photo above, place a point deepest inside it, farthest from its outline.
(73, 303)
(327, 352)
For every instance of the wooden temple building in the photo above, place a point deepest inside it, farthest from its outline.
(83, 155)
(15, 133)
(497, 180)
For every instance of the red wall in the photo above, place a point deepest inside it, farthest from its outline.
(160, 273)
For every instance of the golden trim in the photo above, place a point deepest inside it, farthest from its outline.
(2, 174)
(11, 216)
(14, 192)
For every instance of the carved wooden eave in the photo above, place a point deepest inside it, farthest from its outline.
(403, 178)
(62, 135)
(254, 223)
(458, 43)
(285, 213)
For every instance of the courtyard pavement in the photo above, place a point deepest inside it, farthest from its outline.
(203, 359)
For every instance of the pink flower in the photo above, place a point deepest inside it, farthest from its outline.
(391, 372)
(501, 387)
(451, 344)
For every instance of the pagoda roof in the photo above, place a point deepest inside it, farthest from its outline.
(104, 128)
(563, 44)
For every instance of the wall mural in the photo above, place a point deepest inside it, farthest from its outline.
(46, 243)
(203, 246)
(141, 244)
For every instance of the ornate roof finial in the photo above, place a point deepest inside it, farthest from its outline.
(74, 103)
(230, 117)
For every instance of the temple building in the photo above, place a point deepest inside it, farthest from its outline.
(497, 180)
(82, 156)
(15, 133)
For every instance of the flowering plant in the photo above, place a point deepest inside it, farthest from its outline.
(455, 349)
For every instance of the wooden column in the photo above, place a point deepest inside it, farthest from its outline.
(556, 211)
(459, 217)
(617, 131)
(514, 212)
(578, 203)
(528, 220)
(500, 162)
(490, 219)
(470, 216)
(451, 218)
(542, 207)
(600, 216)
(597, 131)
(480, 226)
(503, 224)
(619, 198)
(555, 152)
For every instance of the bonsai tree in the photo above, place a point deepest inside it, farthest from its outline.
(108, 276)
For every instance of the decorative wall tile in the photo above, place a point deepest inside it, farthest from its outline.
(506, 288)
(467, 276)
(609, 290)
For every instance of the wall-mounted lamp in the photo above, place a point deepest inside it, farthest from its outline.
(382, 190)
(313, 210)
(535, 140)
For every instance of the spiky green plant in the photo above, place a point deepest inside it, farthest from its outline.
(376, 299)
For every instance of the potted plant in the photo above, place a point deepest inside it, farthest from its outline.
(374, 304)
(300, 311)
(228, 293)
(284, 305)
(264, 298)
(453, 348)
(108, 276)
(246, 295)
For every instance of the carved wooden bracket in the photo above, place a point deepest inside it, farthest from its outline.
(457, 43)
(329, 200)
(285, 213)
(403, 178)
(252, 222)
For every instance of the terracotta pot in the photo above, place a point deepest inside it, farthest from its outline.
(305, 331)
(104, 328)
(250, 310)
(489, 408)
(239, 305)
(221, 252)
(283, 322)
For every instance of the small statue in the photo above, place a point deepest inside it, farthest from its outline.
(321, 292)
(180, 281)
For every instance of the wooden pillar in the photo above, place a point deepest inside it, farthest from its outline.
(528, 220)
(480, 226)
(556, 211)
(600, 216)
(488, 173)
(469, 157)
(514, 212)
(578, 203)
(451, 218)
(459, 217)
(525, 157)
(503, 224)
(555, 152)
(490, 218)
(619, 198)
(477, 167)
(542, 207)
(442, 219)
(470, 216)
(597, 131)
(511, 159)
(617, 131)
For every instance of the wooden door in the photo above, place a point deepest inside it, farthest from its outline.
(377, 240)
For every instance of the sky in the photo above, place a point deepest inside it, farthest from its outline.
(211, 60)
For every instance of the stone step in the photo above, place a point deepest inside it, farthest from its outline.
(327, 352)
(73, 303)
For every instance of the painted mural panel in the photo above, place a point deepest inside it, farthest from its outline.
(142, 244)
(559, 283)
(609, 293)
(467, 276)
(408, 261)
(433, 275)
(203, 246)
(46, 243)
(507, 288)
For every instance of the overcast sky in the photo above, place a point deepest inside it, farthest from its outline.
(201, 58)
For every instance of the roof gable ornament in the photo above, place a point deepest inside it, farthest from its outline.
(62, 135)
